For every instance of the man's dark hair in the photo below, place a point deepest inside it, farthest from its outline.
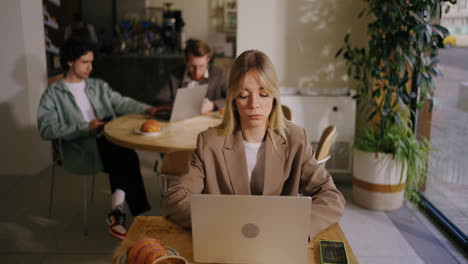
(72, 50)
(197, 48)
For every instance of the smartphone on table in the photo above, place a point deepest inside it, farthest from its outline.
(333, 252)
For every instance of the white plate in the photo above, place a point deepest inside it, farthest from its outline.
(123, 258)
(138, 131)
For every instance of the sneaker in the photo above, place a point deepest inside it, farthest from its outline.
(116, 223)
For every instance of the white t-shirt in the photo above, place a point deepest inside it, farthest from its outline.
(78, 91)
(255, 155)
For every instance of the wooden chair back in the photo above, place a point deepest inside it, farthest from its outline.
(174, 164)
(322, 153)
(286, 112)
(53, 79)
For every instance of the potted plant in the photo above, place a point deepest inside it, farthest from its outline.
(395, 77)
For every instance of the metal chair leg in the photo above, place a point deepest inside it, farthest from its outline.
(157, 169)
(160, 183)
(85, 209)
(51, 196)
(165, 183)
(92, 189)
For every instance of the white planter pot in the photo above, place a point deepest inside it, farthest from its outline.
(376, 181)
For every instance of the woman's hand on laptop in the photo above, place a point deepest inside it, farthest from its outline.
(207, 106)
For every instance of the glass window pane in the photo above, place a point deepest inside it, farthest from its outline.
(447, 183)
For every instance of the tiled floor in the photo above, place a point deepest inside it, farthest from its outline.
(451, 199)
(27, 236)
(405, 235)
(379, 240)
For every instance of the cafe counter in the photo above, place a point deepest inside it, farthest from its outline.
(137, 77)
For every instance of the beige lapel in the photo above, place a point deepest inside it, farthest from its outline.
(274, 162)
(234, 156)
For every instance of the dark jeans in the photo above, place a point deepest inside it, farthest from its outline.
(123, 168)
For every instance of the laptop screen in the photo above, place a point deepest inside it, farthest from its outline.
(187, 103)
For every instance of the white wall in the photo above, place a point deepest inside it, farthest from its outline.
(261, 25)
(23, 75)
(301, 37)
(196, 15)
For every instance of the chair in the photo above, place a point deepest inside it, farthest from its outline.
(57, 160)
(174, 164)
(322, 153)
(286, 112)
(54, 78)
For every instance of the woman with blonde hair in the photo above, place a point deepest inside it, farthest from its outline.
(255, 151)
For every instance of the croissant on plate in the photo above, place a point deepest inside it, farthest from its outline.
(150, 126)
(146, 251)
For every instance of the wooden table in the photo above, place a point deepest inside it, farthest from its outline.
(179, 135)
(181, 240)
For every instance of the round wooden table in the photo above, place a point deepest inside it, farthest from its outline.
(175, 136)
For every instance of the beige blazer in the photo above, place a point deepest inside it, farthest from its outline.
(219, 166)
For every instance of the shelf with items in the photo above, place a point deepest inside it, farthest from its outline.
(223, 16)
(49, 20)
(52, 29)
(216, 16)
(50, 47)
(230, 22)
(230, 16)
(57, 14)
(51, 24)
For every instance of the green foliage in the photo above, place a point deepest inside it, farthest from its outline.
(395, 73)
(412, 153)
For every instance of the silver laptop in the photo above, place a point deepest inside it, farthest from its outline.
(187, 103)
(250, 229)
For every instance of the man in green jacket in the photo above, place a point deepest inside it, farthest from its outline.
(73, 111)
